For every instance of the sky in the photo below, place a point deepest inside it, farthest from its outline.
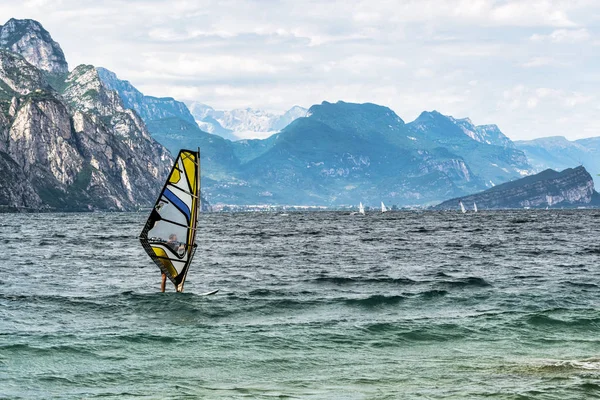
(531, 67)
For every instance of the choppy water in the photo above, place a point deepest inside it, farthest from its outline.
(312, 305)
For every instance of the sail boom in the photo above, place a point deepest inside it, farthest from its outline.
(184, 191)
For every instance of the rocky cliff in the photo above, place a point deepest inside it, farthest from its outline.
(29, 39)
(69, 143)
(572, 187)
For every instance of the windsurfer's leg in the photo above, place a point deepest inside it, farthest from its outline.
(163, 282)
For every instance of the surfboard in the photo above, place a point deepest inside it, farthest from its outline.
(209, 293)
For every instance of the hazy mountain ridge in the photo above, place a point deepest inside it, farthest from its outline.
(354, 152)
(343, 153)
(493, 163)
(573, 187)
(148, 107)
(557, 152)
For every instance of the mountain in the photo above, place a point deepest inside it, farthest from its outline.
(172, 125)
(492, 162)
(67, 142)
(557, 152)
(338, 153)
(148, 107)
(281, 121)
(572, 187)
(29, 39)
(242, 123)
(489, 134)
(344, 153)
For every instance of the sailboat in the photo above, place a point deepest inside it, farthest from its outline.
(474, 206)
(361, 209)
(383, 207)
(169, 236)
(462, 207)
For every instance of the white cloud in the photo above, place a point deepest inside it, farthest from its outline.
(543, 62)
(462, 57)
(563, 36)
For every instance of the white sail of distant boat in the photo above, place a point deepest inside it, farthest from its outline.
(361, 208)
(474, 206)
(383, 207)
(462, 207)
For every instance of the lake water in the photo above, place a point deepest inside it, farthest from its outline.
(323, 305)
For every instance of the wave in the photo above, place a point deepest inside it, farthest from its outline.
(583, 284)
(343, 280)
(586, 364)
(569, 322)
(375, 301)
(430, 294)
(520, 221)
(22, 348)
(471, 281)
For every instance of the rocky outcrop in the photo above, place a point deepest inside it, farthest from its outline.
(29, 39)
(16, 192)
(572, 187)
(77, 149)
(41, 140)
(18, 75)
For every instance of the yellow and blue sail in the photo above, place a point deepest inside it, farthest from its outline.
(169, 235)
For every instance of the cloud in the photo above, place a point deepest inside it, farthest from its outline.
(462, 57)
(563, 36)
(543, 62)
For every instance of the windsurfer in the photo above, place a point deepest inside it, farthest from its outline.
(174, 243)
(177, 246)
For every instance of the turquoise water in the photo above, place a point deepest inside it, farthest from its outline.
(502, 305)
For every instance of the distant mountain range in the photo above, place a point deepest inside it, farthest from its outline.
(86, 139)
(570, 188)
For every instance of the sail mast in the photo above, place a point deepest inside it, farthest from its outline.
(198, 207)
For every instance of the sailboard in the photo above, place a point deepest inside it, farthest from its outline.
(169, 236)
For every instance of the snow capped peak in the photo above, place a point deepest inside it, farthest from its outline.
(243, 123)
(199, 110)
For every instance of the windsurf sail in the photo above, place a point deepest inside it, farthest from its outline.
(169, 236)
(462, 207)
(383, 207)
(361, 209)
(474, 206)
